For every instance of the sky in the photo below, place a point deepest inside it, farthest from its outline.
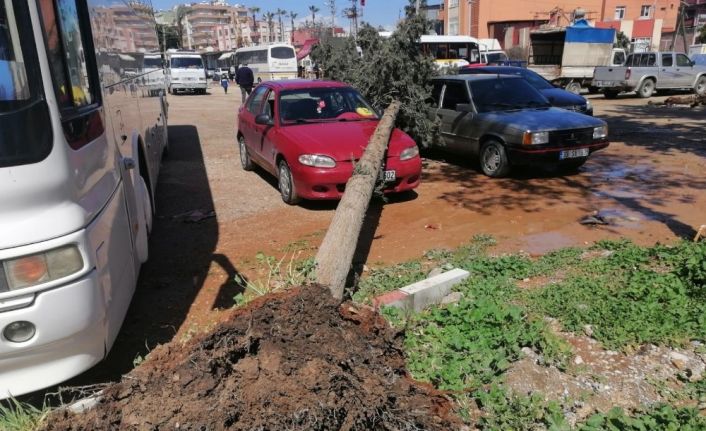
(376, 12)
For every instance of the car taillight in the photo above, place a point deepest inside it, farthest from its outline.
(628, 72)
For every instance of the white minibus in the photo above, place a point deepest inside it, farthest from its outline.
(79, 158)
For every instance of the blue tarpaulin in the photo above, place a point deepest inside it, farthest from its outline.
(582, 32)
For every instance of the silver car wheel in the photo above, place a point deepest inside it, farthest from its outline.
(285, 182)
(243, 153)
(700, 89)
(491, 159)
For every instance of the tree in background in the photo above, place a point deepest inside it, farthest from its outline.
(254, 10)
(387, 69)
(313, 9)
(269, 17)
(622, 41)
(293, 16)
(280, 13)
(168, 37)
(181, 12)
(701, 38)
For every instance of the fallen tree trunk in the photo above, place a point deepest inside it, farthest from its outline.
(335, 256)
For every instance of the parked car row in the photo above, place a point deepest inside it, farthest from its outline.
(309, 134)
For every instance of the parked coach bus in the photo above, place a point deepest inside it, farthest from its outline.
(269, 62)
(79, 158)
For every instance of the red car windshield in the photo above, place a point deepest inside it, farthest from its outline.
(324, 104)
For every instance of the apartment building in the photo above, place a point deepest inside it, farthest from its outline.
(214, 26)
(118, 28)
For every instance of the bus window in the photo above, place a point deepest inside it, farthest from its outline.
(81, 91)
(282, 52)
(24, 116)
(13, 74)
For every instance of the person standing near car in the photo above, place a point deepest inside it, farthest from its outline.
(245, 79)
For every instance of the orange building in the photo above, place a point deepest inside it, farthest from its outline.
(510, 21)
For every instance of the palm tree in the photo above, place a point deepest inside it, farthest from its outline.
(253, 10)
(269, 17)
(293, 16)
(313, 9)
(280, 13)
(181, 12)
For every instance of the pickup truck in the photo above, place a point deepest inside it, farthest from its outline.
(646, 72)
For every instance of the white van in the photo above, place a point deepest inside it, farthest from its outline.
(186, 73)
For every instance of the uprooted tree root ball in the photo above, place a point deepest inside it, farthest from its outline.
(293, 361)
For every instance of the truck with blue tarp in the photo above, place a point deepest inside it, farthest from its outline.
(567, 56)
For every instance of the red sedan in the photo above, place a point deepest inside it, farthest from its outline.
(309, 134)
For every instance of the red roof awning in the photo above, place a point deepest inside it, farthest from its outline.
(306, 49)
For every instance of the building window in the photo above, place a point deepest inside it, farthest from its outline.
(453, 3)
(619, 12)
(645, 11)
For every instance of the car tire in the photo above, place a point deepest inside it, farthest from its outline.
(593, 90)
(245, 160)
(646, 90)
(573, 87)
(285, 183)
(493, 159)
(700, 87)
(610, 94)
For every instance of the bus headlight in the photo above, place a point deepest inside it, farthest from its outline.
(28, 271)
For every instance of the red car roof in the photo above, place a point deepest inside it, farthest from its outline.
(296, 84)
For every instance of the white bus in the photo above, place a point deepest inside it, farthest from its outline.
(79, 158)
(269, 62)
(451, 51)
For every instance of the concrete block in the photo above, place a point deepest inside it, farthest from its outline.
(396, 298)
(433, 290)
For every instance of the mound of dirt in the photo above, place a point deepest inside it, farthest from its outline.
(293, 361)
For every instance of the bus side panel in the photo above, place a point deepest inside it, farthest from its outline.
(109, 236)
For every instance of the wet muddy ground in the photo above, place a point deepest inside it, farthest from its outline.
(650, 184)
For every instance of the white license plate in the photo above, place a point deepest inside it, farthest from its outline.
(573, 154)
(389, 176)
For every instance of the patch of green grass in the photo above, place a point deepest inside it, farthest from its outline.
(634, 296)
(379, 281)
(280, 274)
(472, 343)
(662, 417)
(505, 411)
(18, 416)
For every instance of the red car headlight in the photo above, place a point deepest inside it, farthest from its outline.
(317, 161)
(409, 153)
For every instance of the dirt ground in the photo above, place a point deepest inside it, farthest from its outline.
(264, 369)
(649, 184)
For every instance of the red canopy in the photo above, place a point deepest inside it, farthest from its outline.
(306, 48)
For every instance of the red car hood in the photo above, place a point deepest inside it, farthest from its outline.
(343, 141)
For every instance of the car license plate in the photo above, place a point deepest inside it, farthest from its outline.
(573, 154)
(389, 176)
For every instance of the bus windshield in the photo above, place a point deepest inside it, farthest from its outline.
(187, 63)
(22, 111)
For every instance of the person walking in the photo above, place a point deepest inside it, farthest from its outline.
(224, 83)
(245, 79)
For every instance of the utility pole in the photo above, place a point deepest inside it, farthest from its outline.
(681, 28)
